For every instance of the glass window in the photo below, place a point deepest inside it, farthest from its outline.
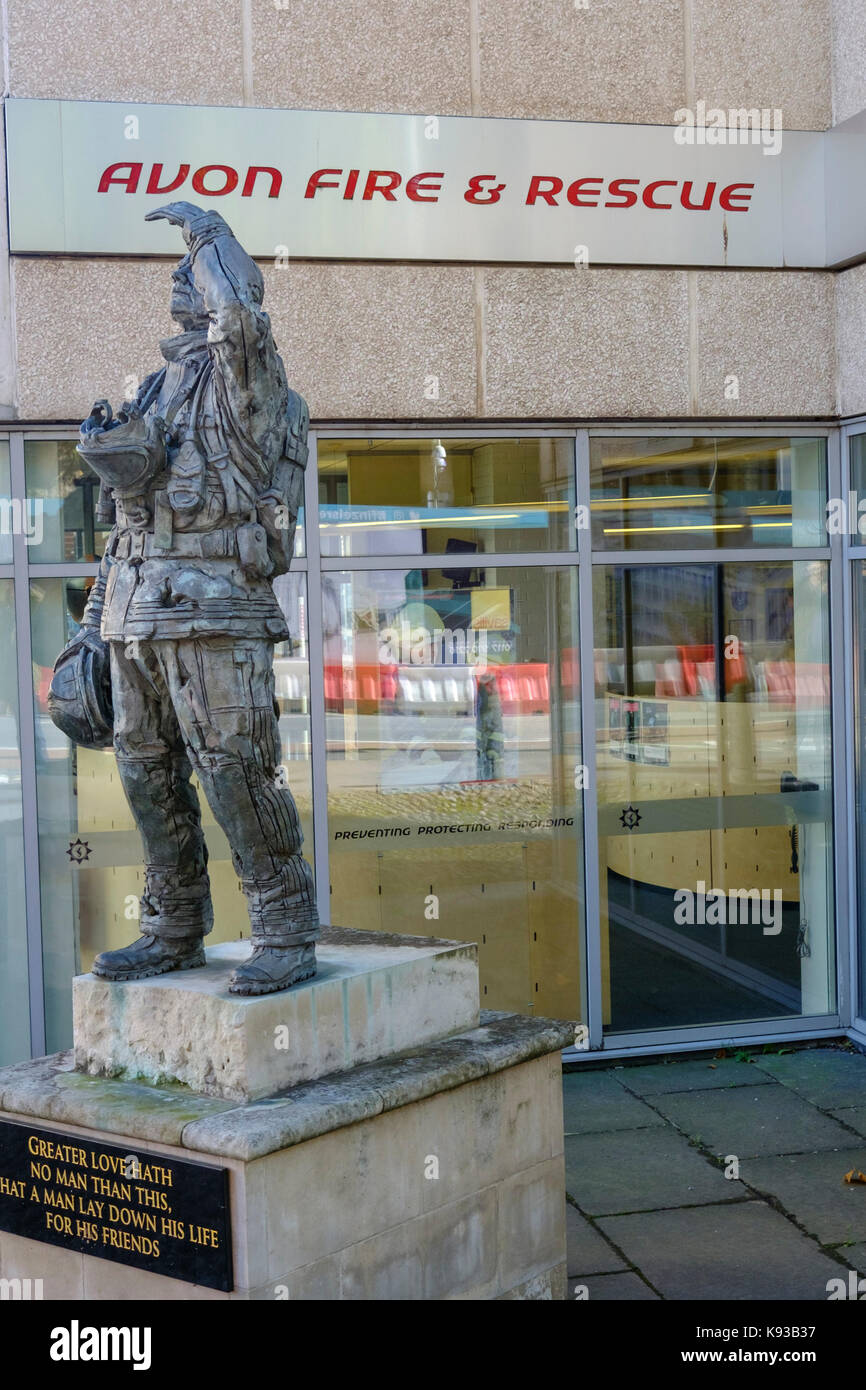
(856, 525)
(7, 511)
(683, 493)
(90, 851)
(453, 736)
(67, 492)
(459, 497)
(14, 1006)
(300, 546)
(714, 785)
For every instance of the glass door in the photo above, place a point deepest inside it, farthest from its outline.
(714, 784)
(713, 732)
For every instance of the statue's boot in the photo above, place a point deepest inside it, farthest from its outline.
(175, 911)
(150, 955)
(271, 968)
(285, 925)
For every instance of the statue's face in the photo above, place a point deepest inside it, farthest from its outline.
(187, 306)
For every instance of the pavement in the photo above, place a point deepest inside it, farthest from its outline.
(717, 1177)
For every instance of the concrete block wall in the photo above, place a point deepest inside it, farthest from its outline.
(851, 340)
(848, 59)
(360, 339)
(612, 60)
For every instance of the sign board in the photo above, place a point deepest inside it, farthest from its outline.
(349, 186)
(144, 1209)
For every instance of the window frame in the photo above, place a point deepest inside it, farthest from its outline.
(584, 557)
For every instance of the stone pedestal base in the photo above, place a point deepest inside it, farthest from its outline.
(434, 1175)
(373, 996)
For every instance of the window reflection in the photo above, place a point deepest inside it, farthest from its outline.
(459, 497)
(72, 526)
(68, 493)
(6, 510)
(856, 525)
(713, 718)
(693, 493)
(452, 702)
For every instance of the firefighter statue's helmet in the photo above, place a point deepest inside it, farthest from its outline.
(79, 698)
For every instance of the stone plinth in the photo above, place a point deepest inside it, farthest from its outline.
(435, 1175)
(374, 996)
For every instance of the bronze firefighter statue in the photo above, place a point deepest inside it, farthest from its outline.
(202, 475)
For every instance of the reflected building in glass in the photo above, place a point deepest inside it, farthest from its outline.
(598, 741)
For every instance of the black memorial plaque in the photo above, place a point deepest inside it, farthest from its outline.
(164, 1214)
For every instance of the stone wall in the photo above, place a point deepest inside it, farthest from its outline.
(602, 60)
(848, 59)
(851, 331)
(360, 339)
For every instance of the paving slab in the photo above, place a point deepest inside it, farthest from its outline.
(698, 1074)
(854, 1255)
(588, 1252)
(610, 1288)
(641, 1170)
(810, 1187)
(593, 1101)
(751, 1120)
(733, 1252)
(825, 1076)
(855, 1118)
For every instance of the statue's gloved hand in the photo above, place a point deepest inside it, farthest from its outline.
(100, 418)
(179, 214)
(196, 224)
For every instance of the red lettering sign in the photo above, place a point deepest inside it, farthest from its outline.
(230, 177)
(381, 181)
(153, 184)
(130, 181)
(575, 189)
(618, 188)
(548, 194)
(729, 196)
(318, 180)
(483, 190)
(253, 173)
(686, 195)
(648, 198)
(418, 185)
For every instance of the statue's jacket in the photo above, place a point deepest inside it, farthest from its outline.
(192, 554)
